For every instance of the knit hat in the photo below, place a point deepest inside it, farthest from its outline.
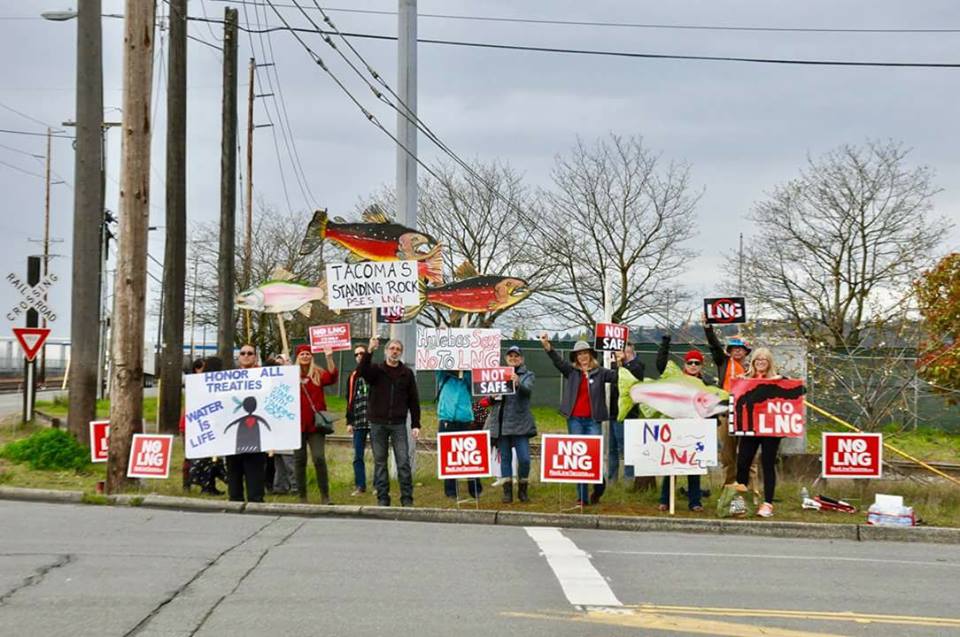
(303, 347)
(693, 355)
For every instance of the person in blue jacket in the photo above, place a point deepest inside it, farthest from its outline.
(455, 413)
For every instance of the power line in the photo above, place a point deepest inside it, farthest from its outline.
(33, 134)
(21, 170)
(31, 118)
(622, 54)
(370, 116)
(22, 152)
(630, 25)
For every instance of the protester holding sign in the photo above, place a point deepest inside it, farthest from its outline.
(730, 364)
(627, 360)
(246, 468)
(692, 366)
(455, 413)
(762, 365)
(357, 424)
(393, 394)
(511, 425)
(313, 404)
(583, 402)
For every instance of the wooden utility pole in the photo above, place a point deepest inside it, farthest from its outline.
(175, 248)
(248, 240)
(226, 324)
(126, 405)
(87, 224)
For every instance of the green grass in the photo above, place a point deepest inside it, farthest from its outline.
(937, 503)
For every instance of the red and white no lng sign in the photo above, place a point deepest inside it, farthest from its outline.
(569, 458)
(463, 454)
(150, 456)
(852, 455)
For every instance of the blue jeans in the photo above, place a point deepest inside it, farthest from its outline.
(615, 452)
(359, 468)
(506, 445)
(586, 427)
(382, 437)
(450, 486)
(693, 491)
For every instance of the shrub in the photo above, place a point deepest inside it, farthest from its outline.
(48, 450)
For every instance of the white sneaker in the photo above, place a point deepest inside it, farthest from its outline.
(765, 510)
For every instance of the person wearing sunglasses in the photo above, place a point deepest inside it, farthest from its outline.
(246, 469)
(357, 424)
(692, 366)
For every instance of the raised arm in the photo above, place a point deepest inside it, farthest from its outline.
(663, 353)
(716, 347)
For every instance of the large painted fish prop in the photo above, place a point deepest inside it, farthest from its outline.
(673, 395)
(377, 239)
(474, 295)
(281, 295)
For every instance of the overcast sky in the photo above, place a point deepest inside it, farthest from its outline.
(742, 127)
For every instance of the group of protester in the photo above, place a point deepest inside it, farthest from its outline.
(382, 396)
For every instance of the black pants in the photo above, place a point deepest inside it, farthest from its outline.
(249, 468)
(768, 461)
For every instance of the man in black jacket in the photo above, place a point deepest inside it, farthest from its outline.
(629, 360)
(392, 394)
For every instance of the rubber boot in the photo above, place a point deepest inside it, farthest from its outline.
(522, 491)
(507, 492)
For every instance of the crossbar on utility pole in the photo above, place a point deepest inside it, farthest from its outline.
(226, 324)
(129, 318)
(87, 224)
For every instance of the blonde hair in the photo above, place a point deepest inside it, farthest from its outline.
(593, 360)
(765, 353)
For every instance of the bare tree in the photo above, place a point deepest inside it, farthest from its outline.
(483, 217)
(617, 218)
(276, 244)
(836, 248)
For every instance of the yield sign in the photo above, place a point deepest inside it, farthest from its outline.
(31, 339)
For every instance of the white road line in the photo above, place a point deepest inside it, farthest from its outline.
(818, 558)
(581, 582)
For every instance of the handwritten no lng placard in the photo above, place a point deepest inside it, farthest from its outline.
(457, 348)
(495, 381)
(683, 446)
(372, 284)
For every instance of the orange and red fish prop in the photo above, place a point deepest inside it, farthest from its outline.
(474, 295)
(377, 239)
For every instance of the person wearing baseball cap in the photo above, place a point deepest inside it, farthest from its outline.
(511, 427)
(731, 362)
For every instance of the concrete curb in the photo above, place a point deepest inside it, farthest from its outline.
(765, 528)
(192, 504)
(40, 495)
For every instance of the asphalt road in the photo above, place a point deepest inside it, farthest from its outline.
(86, 570)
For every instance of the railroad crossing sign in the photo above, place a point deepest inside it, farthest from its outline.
(33, 297)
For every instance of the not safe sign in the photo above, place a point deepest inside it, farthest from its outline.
(852, 455)
(571, 458)
(99, 440)
(493, 381)
(150, 456)
(464, 454)
(611, 337)
(725, 310)
(334, 337)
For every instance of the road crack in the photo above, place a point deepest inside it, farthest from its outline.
(210, 564)
(37, 577)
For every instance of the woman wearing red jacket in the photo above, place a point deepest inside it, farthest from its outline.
(312, 381)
